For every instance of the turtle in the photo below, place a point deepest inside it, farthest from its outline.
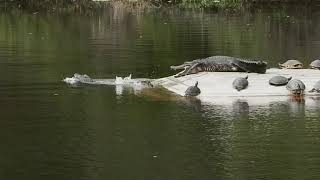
(240, 83)
(279, 80)
(315, 64)
(193, 90)
(316, 87)
(296, 86)
(83, 78)
(291, 64)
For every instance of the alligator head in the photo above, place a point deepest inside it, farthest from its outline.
(252, 66)
(188, 67)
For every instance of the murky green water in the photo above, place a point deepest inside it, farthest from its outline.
(51, 130)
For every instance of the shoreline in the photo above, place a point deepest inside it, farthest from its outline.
(92, 5)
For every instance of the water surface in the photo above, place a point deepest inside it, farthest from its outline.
(51, 130)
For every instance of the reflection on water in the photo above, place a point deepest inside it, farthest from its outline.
(240, 106)
(251, 138)
(295, 107)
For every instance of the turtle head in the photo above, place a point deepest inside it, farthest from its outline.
(298, 66)
(196, 85)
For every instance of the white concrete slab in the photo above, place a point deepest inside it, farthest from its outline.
(219, 84)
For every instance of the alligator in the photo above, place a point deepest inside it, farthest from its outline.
(220, 64)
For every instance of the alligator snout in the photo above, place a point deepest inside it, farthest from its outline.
(179, 67)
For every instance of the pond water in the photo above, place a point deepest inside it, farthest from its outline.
(52, 130)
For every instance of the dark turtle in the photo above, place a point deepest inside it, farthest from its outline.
(315, 64)
(296, 86)
(316, 87)
(291, 64)
(193, 90)
(240, 83)
(279, 80)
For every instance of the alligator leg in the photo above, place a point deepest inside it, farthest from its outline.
(180, 73)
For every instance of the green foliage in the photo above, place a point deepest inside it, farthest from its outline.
(84, 5)
(52, 4)
(212, 4)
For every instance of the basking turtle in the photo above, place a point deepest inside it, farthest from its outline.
(291, 64)
(193, 90)
(240, 83)
(279, 80)
(315, 64)
(296, 86)
(316, 87)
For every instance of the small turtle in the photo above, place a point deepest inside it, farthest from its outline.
(315, 64)
(291, 64)
(83, 78)
(240, 83)
(296, 86)
(279, 80)
(316, 87)
(193, 90)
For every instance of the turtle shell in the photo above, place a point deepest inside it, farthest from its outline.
(316, 87)
(240, 83)
(193, 90)
(291, 64)
(315, 64)
(296, 86)
(279, 80)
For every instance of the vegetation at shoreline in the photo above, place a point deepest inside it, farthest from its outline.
(211, 4)
(83, 5)
(51, 5)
